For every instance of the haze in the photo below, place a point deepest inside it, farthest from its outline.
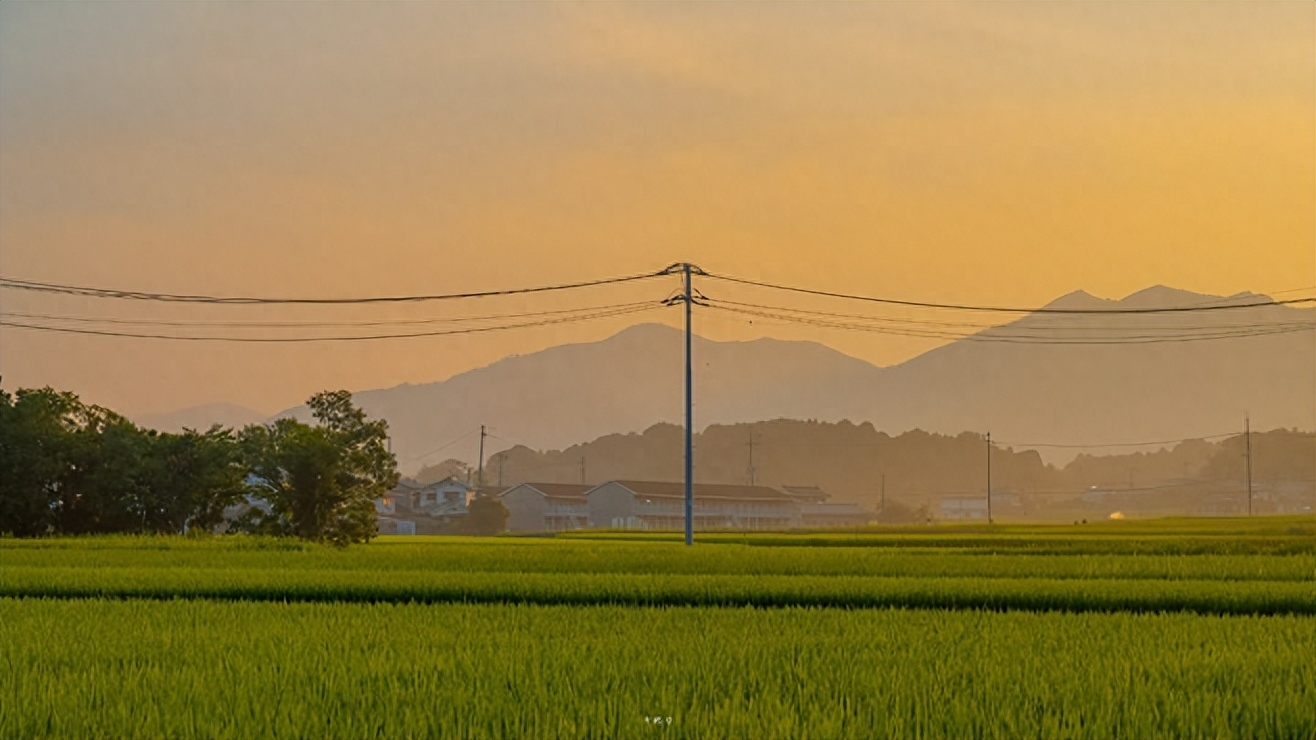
(1000, 153)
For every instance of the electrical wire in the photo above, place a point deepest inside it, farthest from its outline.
(1012, 338)
(1119, 444)
(312, 324)
(1013, 326)
(78, 290)
(1002, 309)
(341, 338)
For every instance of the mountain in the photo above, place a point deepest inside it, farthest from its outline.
(201, 417)
(1057, 393)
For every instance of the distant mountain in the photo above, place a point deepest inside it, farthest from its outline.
(995, 380)
(201, 417)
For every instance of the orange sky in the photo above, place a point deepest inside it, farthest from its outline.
(983, 152)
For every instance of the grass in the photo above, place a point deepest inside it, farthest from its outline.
(129, 669)
(1179, 628)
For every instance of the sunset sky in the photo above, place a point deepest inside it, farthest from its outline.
(1000, 153)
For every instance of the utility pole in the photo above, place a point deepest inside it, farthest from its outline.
(582, 470)
(479, 477)
(989, 477)
(687, 270)
(501, 459)
(1247, 433)
(882, 511)
(751, 456)
(689, 411)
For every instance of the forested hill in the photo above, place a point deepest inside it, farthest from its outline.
(1128, 378)
(853, 461)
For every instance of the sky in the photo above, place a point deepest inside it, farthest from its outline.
(1003, 153)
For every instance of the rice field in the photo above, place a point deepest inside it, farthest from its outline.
(1162, 629)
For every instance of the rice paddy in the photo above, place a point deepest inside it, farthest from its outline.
(1161, 629)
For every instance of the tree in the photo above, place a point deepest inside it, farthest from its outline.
(321, 481)
(37, 429)
(189, 479)
(486, 515)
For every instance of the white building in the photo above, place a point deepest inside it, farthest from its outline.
(972, 508)
(653, 505)
(546, 507)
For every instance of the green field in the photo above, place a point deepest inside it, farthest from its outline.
(1189, 628)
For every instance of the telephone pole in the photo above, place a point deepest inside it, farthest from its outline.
(751, 456)
(479, 477)
(688, 270)
(882, 511)
(689, 411)
(1247, 434)
(582, 470)
(989, 477)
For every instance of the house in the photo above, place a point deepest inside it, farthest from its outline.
(546, 507)
(413, 508)
(966, 507)
(653, 505)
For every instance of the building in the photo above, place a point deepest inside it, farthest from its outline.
(832, 514)
(413, 508)
(971, 508)
(652, 505)
(546, 507)
(816, 511)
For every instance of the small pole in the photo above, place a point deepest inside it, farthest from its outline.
(989, 477)
(1247, 433)
(582, 470)
(751, 456)
(882, 511)
(479, 477)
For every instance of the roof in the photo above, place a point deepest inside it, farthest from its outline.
(655, 489)
(812, 494)
(565, 491)
(833, 508)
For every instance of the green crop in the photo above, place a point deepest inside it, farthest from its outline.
(201, 669)
(1132, 629)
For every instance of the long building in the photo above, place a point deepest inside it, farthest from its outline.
(546, 507)
(651, 505)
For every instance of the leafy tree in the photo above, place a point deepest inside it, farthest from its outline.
(37, 439)
(70, 468)
(486, 515)
(321, 481)
(189, 479)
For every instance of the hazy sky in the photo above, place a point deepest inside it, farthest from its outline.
(980, 152)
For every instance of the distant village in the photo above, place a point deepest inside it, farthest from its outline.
(440, 507)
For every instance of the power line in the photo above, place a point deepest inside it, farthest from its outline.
(341, 338)
(313, 324)
(1120, 444)
(1014, 326)
(1003, 309)
(1013, 338)
(440, 447)
(85, 291)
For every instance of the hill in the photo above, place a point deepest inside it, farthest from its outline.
(1022, 392)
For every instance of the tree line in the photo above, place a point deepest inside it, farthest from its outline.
(68, 468)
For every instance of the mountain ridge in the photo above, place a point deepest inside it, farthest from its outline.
(988, 380)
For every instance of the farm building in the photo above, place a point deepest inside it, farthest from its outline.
(652, 505)
(546, 507)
